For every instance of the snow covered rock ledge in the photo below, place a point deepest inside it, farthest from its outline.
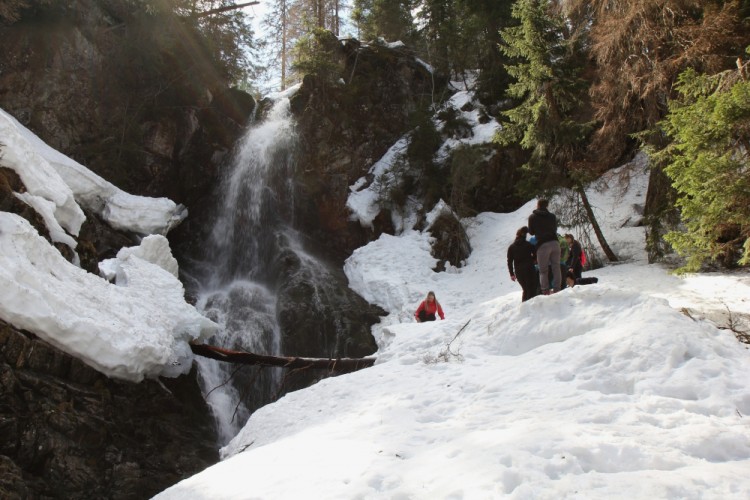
(138, 328)
(50, 174)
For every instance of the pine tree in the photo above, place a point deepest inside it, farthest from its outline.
(439, 33)
(482, 26)
(708, 162)
(548, 91)
(640, 47)
(389, 19)
(550, 116)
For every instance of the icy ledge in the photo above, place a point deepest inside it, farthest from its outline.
(51, 175)
(139, 327)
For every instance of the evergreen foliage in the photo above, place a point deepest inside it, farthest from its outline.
(549, 94)
(389, 19)
(292, 22)
(423, 144)
(640, 47)
(709, 164)
(316, 53)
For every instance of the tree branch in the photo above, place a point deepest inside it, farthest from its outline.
(341, 365)
(219, 10)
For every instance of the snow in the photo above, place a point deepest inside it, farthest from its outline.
(365, 196)
(481, 133)
(624, 389)
(600, 391)
(19, 153)
(140, 325)
(51, 175)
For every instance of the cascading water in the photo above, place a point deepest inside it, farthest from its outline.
(236, 290)
(260, 280)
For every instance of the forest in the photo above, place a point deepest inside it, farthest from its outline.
(579, 86)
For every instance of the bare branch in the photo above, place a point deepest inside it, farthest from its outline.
(219, 10)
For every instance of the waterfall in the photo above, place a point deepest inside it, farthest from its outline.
(267, 284)
(236, 289)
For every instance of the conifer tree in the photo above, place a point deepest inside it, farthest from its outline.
(439, 32)
(390, 19)
(280, 38)
(550, 117)
(709, 164)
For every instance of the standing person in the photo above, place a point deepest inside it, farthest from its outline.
(543, 225)
(521, 256)
(574, 263)
(564, 258)
(427, 309)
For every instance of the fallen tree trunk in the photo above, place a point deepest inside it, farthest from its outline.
(340, 365)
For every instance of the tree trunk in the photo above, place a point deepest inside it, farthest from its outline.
(284, 27)
(597, 230)
(340, 365)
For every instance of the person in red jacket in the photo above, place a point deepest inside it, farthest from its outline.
(427, 309)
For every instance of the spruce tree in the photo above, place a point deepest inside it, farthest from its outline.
(389, 19)
(550, 116)
(709, 162)
(548, 92)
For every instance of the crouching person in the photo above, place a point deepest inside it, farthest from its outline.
(428, 308)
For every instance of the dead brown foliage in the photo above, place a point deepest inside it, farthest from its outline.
(640, 47)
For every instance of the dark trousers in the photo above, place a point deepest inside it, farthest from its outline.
(423, 316)
(577, 269)
(529, 281)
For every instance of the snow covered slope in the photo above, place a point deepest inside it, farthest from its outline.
(603, 391)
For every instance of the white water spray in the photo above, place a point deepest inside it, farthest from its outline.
(255, 207)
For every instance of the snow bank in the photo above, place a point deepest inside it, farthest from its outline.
(154, 249)
(601, 391)
(467, 109)
(365, 195)
(46, 192)
(595, 391)
(135, 329)
(50, 174)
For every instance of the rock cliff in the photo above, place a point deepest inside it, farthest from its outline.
(67, 431)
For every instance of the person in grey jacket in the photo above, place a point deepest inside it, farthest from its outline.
(543, 225)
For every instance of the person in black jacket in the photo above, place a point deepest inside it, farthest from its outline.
(574, 263)
(543, 225)
(521, 256)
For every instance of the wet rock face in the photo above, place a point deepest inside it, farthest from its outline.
(319, 315)
(346, 122)
(66, 431)
(451, 244)
(74, 76)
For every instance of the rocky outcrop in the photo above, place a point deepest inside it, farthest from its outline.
(451, 244)
(129, 100)
(67, 431)
(353, 110)
(348, 117)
